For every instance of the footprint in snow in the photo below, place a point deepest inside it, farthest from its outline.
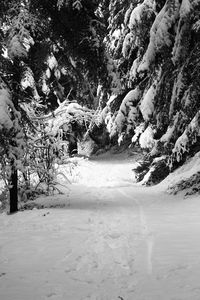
(44, 215)
(114, 235)
(51, 295)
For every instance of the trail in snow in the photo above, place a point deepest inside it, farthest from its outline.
(105, 239)
(145, 231)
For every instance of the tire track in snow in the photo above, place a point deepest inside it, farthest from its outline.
(148, 235)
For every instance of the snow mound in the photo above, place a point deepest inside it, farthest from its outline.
(185, 177)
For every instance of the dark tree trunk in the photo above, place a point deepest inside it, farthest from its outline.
(14, 176)
(13, 192)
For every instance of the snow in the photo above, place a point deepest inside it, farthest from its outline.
(146, 139)
(171, 129)
(133, 70)
(185, 8)
(128, 14)
(5, 52)
(28, 42)
(131, 97)
(195, 2)
(113, 73)
(127, 43)
(111, 99)
(16, 49)
(29, 81)
(159, 33)
(182, 29)
(114, 38)
(77, 5)
(52, 62)
(138, 130)
(65, 113)
(132, 116)
(168, 17)
(20, 44)
(147, 103)
(105, 239)
(45, 88)
(177, 88)
(183, 142)
(5, 105)
(168, 135)
(138, 11)
(181, 145)
(191, 167)
(128, 102)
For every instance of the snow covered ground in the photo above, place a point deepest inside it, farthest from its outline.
(105, 239)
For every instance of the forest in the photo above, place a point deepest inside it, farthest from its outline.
(99, 149)
(80, 76)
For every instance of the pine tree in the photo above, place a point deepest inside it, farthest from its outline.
(155, 46)
(47, 57)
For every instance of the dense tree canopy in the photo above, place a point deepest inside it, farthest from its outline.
(155, 45)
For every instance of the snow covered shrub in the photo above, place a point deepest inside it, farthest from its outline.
(48, 147)
(43, 153)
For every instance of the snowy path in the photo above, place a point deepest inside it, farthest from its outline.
(107, 242)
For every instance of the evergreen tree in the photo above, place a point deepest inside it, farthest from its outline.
(136, 62)
(46, 57)
(155, 46)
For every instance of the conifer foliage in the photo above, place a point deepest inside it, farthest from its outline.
(44, 61)
(155, 47)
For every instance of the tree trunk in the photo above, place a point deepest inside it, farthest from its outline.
(14, 175)
(13, 192)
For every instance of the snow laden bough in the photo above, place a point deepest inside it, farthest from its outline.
(72, 123)
(159, 70)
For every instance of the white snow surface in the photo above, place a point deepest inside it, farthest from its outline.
(104, 239)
